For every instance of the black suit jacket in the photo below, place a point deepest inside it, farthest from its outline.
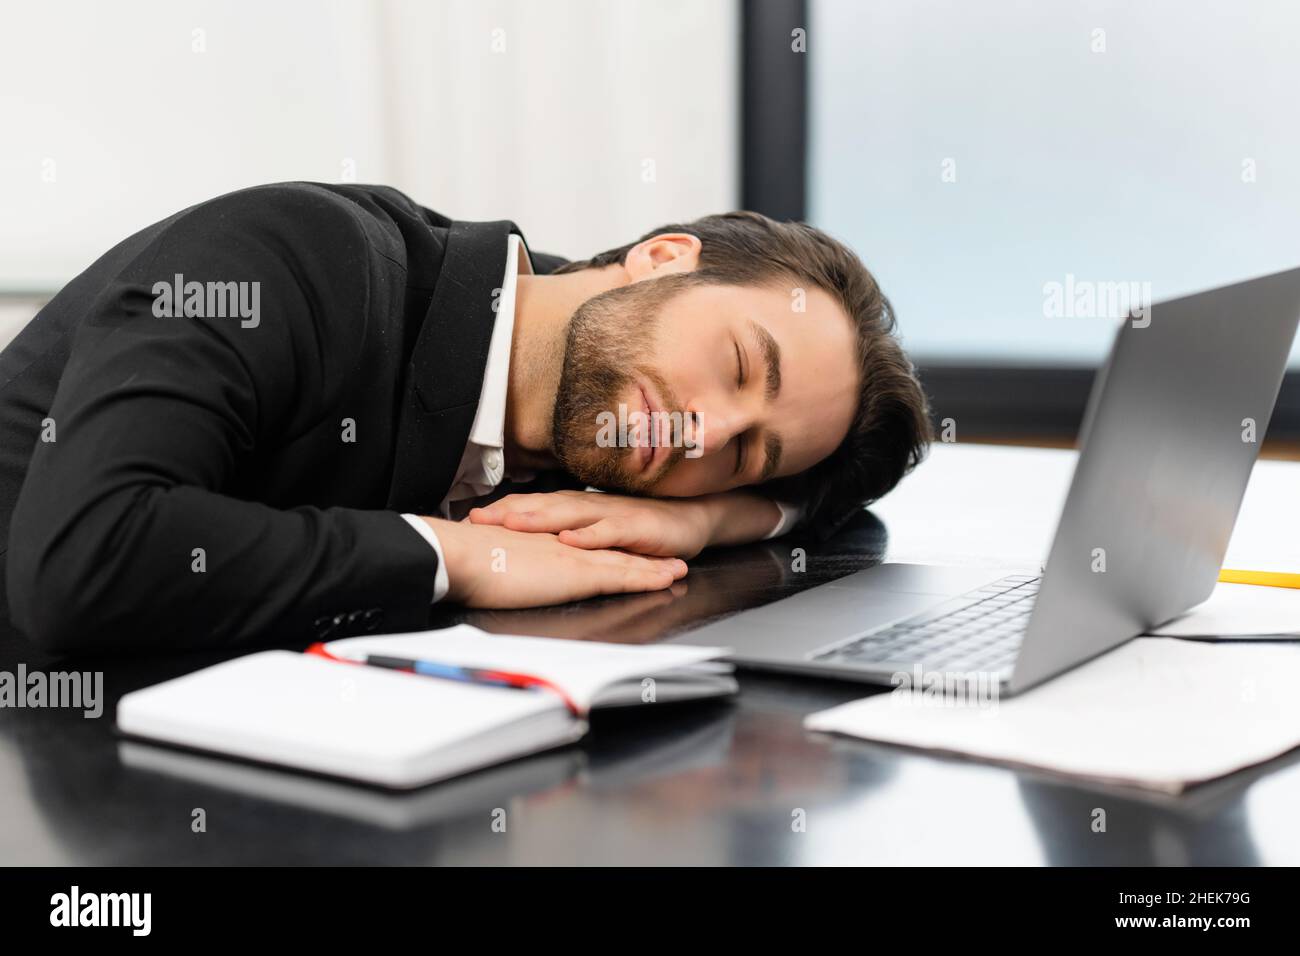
(199, 489)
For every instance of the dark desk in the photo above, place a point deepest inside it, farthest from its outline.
(710, 783)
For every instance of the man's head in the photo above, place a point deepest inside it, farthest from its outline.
(762, 352)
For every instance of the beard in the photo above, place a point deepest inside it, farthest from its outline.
(609, 347)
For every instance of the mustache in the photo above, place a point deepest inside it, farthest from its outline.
(609, 346)
(589, 414)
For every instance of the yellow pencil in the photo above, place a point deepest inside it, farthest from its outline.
(1274, 579)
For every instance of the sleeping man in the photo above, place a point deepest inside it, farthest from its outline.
(306, 410)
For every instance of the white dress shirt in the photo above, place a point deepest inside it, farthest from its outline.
(483, 465)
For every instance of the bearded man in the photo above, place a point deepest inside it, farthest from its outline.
(311, 411)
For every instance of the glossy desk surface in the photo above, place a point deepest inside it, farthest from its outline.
(706, 783)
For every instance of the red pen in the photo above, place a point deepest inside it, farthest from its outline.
(485, 676)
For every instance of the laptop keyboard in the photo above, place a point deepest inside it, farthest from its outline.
(983, 634)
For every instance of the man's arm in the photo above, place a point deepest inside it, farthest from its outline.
(124, 534)
(657, 526)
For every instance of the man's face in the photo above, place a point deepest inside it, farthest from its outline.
(717, 387)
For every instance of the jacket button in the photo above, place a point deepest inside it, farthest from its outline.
(372, 618)
(323, 626)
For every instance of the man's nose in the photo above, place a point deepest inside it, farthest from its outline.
(709, 431)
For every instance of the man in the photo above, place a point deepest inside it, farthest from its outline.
(271, 416)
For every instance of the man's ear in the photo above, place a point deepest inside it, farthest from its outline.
(665, 254)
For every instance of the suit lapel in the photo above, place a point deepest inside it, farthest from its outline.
(445, 375)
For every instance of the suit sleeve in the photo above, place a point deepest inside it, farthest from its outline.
(122, 536)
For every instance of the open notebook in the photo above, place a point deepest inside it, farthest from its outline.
(404, 730)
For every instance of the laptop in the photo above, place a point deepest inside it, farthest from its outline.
(1163, 464)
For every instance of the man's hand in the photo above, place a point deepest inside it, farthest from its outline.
(500, 568)
(660, 526)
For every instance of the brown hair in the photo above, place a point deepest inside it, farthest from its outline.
(891, 426)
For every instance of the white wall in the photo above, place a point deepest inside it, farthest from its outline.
(112, 118)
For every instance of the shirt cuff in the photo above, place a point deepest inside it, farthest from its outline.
(441, 583)
(790, 515)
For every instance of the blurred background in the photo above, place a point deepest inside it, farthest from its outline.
(975, 155)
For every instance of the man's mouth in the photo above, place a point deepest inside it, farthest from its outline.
(650, 448)
(645, 445)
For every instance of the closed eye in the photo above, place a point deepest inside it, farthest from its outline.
(740, 369)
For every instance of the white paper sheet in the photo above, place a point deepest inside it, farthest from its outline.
(1154, 713)
(1240, 611)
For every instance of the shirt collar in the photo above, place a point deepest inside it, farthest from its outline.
(488, 430)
